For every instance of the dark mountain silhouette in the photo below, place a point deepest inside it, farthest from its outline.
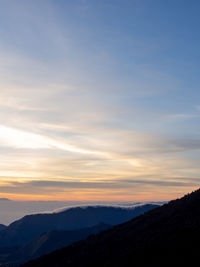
(29, 227)
(49, 242)
(166, 236)
(4, 253)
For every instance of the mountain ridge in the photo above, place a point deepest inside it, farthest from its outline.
(166, 236)
(22, 231)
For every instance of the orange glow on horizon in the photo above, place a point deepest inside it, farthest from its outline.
(100, 196)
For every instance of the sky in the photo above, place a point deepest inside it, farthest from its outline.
(99, 100)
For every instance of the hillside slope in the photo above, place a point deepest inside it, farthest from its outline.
(166, 236)
(29, 227)
(49, 242)
(2, 226)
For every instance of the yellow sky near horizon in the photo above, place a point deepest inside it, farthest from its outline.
(92, 110)
(51, 169)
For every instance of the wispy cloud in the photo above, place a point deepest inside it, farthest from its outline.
(20, 139)
(84, 106)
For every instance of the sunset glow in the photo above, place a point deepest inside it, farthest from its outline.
(93, 110)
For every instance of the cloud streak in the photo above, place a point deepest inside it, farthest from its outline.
(20, 139)
(89, 110)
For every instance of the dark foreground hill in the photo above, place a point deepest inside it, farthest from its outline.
(29, 227)
(166, 236)
(49, 242)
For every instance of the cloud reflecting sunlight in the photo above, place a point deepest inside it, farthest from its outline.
(93, 110)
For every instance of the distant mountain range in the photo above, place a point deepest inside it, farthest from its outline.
(22, 231)
(5, 199)
(35, 235)
(165, 236)
(12, 210)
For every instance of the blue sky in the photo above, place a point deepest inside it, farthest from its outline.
(99, 99)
